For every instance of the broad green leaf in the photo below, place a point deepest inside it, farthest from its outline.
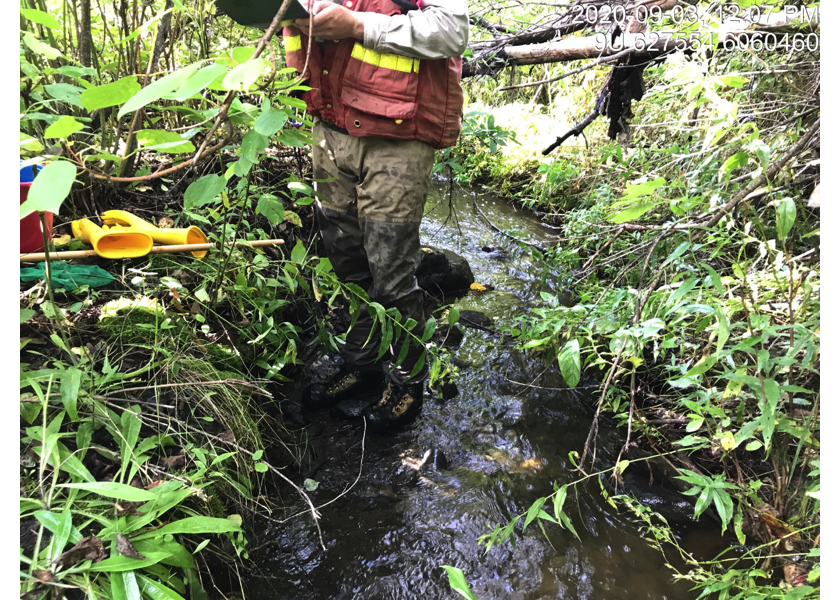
(65, 92)
(204, 190)
(26, 314)
(772, 393)
(564, 519)
(124, 586)
(703, 366)
(685, 287)
(241, 54)
(30, 143)
(733, 81)
(716, 280)
(199, 81)
(535, 509)
(640, 190)
(298, 253)
(569, 361)
(124, 563)
(110, 94)
(155, 590)
(50, 188)
(762, 150)
(454, 315)
(40, 17)
(632, 213)
(253, 144)
(39, 47)
(753, 445)
(270, 206)
(178, 555)
(61, 526)
(243, 76)
(694, 424)
(722, 329)
(458, 582)
(70, 462)
(70, 382)
(298, 187)
(703, 501)
(736, 161)
(559, 501)
(429, 329)
(118, 491)
(800, 593)
(76, 71)
(158, 89)
(738, 526)
(418, 366)
(63, 128)
(169, 142)
(201, 525)
(723, 505)
(168, 495)
(785, 217)
(292, 102)
(130, 429)
(677, 252)
(270, 122)
(292, 217)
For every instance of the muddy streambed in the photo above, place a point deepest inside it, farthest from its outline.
(494, 448)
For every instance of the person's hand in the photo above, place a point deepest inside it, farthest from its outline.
(332, 22)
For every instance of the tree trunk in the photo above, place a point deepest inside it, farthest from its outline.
(85, 42)
(127, 166)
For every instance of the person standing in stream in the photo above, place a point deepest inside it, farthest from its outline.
(385, 79)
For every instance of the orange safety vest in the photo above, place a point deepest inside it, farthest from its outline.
(370, 93)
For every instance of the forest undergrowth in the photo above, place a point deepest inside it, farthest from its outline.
(150, 432)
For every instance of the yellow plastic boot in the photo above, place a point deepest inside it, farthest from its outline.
(113, 243)
(169, 237)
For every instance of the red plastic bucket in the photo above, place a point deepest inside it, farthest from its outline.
(31, 237)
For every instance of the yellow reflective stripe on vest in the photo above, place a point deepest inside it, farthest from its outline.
(395, 62)
(291, 43)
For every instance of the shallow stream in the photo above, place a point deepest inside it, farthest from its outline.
(494, 448)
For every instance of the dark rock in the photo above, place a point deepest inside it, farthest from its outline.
(448, 390)
(448, 337)
(475, 318)
(442, 273)
(438, 459)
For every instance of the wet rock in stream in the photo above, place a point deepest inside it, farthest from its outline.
(442, 273)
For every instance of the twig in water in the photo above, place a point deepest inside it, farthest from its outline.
(537, 247)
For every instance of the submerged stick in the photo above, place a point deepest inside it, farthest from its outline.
(72, 254)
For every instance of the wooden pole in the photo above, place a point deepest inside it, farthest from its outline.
(73, 254)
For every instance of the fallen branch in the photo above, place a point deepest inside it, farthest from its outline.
(74, 254)
(537, 247)
(767, 177)
(587, 66)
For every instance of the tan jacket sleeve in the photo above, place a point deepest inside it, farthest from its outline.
(440, 30)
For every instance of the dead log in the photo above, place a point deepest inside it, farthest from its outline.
(650, 44)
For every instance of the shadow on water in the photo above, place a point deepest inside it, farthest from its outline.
(495, 448)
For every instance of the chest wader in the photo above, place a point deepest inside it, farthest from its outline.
(369, 216)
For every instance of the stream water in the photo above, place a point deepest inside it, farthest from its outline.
(495, 448)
